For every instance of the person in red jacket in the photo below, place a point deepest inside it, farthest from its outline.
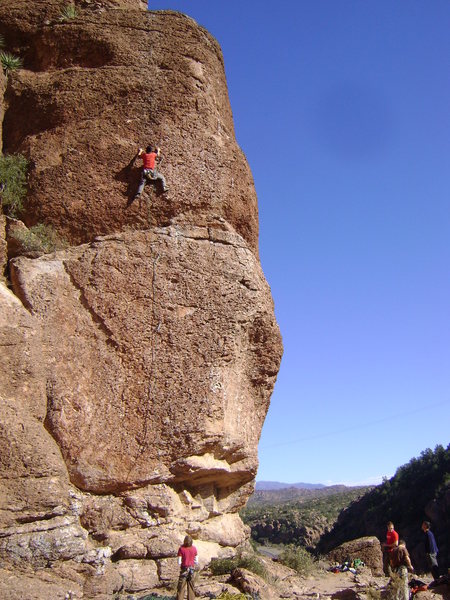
(149, 173)
(187, 559)
(388, 546)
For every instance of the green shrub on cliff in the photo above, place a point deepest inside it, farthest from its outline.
(40, 238)
(231, 596)
(297, 558)
(155, 597)
(10, 62)
(68, 12)
(13, 182)
(224, 566)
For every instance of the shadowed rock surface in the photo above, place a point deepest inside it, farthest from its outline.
(137, 363)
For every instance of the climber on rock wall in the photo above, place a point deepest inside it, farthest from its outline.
(149, 172)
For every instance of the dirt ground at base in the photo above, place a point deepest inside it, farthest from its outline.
(285, 583)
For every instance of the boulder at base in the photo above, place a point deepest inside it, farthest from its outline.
(367, 549)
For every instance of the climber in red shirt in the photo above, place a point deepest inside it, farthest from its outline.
(388, 546)
(149, 173)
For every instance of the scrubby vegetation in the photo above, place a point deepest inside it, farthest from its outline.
(425, 476)
(274, 520)
(316, 503)
(297, 558)
(155, 597)
(224, 566)
(68, 12)
(417, 491)
(230, 596)
(10, 62)
(40, 238)
(13, 183)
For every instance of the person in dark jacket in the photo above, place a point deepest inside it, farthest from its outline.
(431, 549)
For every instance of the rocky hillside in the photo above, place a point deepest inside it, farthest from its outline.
(420, 490)
(140, 359)
(295, 516)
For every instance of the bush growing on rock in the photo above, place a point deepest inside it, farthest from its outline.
(10, 62)
(40, 238)
(156, 597)
(223, 566)
(373, 594)
(297, 558)
(68, 12)
(13, 182)
(230, 596)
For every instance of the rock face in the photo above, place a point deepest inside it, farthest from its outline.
(140, 360)
(98, 86)
(146, 344)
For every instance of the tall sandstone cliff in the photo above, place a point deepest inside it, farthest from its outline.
(137, 364)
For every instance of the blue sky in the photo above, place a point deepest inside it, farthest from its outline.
(342, 109)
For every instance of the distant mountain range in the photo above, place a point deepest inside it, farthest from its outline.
(276, 485)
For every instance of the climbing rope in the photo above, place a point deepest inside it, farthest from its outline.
(155, 329)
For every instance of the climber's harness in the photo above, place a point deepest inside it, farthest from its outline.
(187, 572)
(150, 174)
